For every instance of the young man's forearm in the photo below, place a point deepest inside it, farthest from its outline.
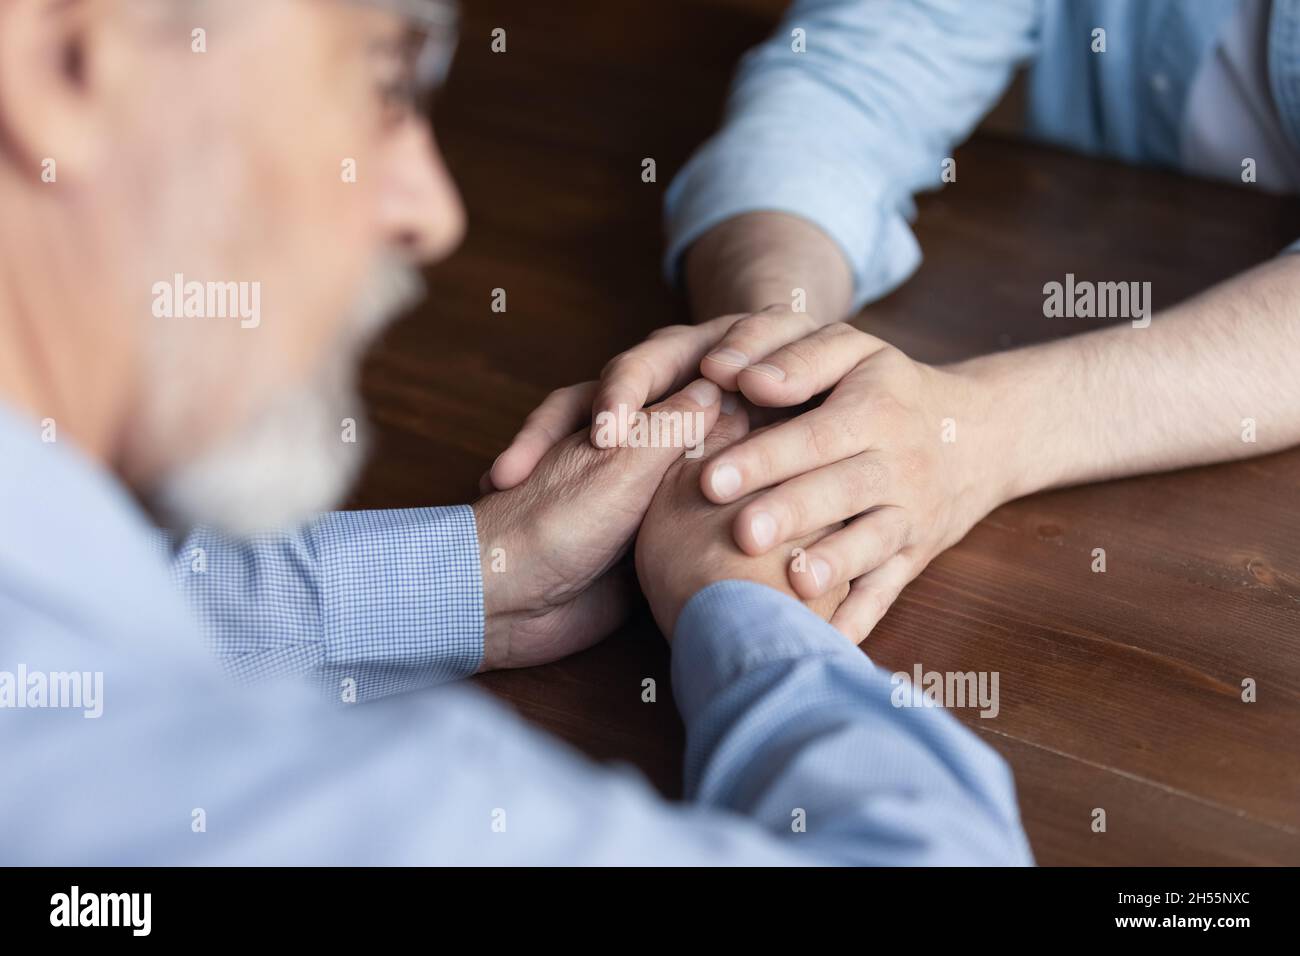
(1213, 379)
(759, 259)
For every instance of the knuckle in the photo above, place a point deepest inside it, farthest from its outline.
(791, 512)
(862, 553)
(822, 437)
(801, 357)
(629, 364)
(756, 461)
(750, 327)
(667, 331)
(889, 537)
(760, 327)
(877, 343)
(722, 323)
(613, 364)
(638, 362)
(562, 395)
(897, 365)
(840, 330)
(868, 478)
(537, 420)
(887, 353)
(883, 405)
(804, 320)
(898, 571)
(916, 462)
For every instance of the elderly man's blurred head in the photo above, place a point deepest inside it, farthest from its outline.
(165, 165)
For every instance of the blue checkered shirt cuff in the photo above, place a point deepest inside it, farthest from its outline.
(366, 603)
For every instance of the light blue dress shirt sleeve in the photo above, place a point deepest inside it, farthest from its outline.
(784, 719)
(365, 603)
(154, 756)
(844, 133)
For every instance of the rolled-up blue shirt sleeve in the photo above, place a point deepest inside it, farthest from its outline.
(788, 721)
(846, 131)
(366, 603)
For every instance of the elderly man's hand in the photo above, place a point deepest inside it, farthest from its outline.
(552, 547)
(686, 541)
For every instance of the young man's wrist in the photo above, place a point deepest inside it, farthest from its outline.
(1019, 422)
(758, 259)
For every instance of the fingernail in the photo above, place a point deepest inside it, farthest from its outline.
(729, 403)
(821, 572)
(729, 357)
(703, 392)
(768, 371)
(725, 481)
(763, 528)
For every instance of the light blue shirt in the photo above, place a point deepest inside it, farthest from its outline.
(845, 132)
(796, 752)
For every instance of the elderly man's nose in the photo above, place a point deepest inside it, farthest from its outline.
(422, 213)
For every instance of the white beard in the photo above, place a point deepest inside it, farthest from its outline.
(291, 461)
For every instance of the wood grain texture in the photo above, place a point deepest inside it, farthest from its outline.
(1118, 690)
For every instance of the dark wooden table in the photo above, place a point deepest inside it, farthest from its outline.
(1119, 691)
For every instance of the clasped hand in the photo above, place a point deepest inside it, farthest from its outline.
(866, 465)
(555, 546)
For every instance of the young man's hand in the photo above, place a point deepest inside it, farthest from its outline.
(733, 272)
(904, 453)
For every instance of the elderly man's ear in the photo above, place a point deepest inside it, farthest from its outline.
(61, 66)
